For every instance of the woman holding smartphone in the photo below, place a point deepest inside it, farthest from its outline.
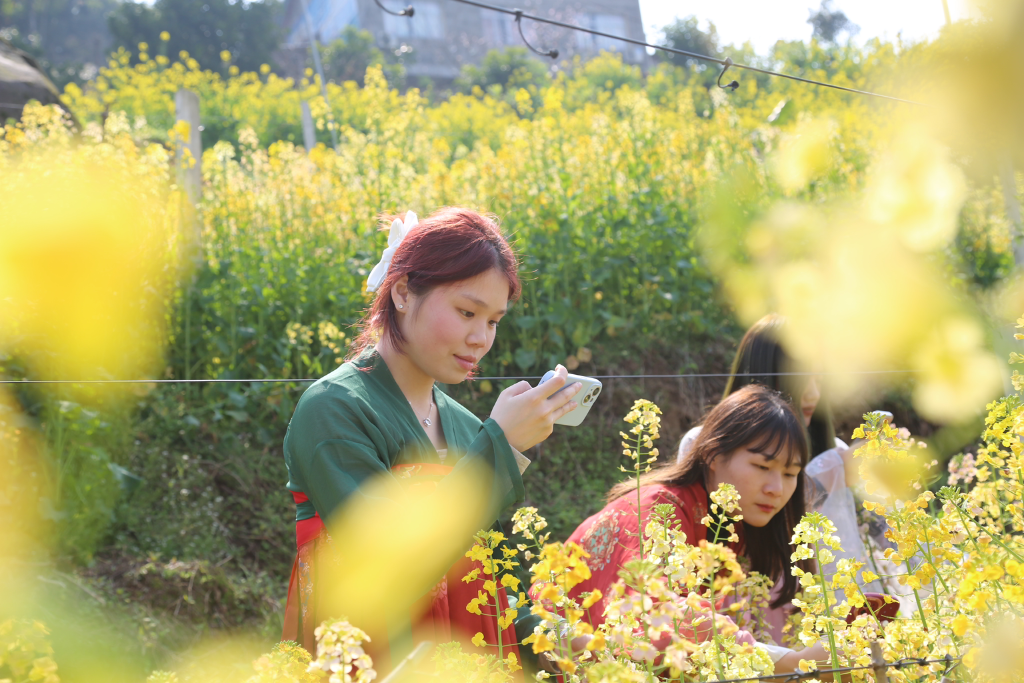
(442, 286)
(753, 440)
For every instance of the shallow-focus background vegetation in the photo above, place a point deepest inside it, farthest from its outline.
(171, 505)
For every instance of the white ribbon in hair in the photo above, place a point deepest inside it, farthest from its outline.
(398, 232)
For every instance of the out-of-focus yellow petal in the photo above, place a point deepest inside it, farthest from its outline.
(86, 258)
(389, 548)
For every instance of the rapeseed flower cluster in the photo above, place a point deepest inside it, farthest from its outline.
(530, 524)
(287, 662)
(559, 569)
(26, 652)
(668, 614)
(340, 653)
(646, 420)
(456, 665)
(497, 573)
(638, 445)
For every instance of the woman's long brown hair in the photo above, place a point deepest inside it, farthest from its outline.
(760, 420)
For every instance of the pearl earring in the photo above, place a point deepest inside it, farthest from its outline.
(401, 306)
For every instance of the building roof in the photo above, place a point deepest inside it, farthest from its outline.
(445, 35)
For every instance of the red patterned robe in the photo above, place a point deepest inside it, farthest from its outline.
(611, 536)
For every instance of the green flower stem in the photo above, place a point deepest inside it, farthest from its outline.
(711, 590)
(909, 572)
(828, 609)
(926, 551)
(917, 597)
(498, 615)
(714, 628)
(1007, 549)
(639, 512)
(871, 556)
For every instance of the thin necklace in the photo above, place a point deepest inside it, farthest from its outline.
(426, 421)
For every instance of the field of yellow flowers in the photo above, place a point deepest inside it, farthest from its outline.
(653, 213)
(955, 563)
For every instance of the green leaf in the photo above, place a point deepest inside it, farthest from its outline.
(525, 358)
(525, 322)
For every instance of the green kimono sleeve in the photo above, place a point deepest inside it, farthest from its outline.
(333, 447)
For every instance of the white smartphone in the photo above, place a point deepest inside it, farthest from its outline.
(584, 399)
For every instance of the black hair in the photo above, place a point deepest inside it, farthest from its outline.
(759, 360)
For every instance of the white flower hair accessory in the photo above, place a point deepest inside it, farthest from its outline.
(399, 230)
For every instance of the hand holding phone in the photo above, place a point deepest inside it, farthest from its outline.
(526, 414)
(586, 397)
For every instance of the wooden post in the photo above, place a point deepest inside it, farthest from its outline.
(315, 48)
(878, 664)
(190, 177)
(186, 106)
(308, 129)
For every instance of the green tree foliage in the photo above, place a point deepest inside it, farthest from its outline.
(829, 23)
(504, 71)
(347, 57)
(203, 28)
(686, 34)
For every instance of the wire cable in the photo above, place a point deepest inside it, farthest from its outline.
(950, 662)
(553, 54)
(727, 63)
(407, 12)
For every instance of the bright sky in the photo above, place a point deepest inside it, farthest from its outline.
(764, 21)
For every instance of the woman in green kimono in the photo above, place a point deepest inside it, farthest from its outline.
(442, 286)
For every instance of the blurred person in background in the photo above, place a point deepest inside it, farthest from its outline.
(761, 359)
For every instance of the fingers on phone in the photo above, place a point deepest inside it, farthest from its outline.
(519, 388)
(566, 395)
(565, 409)
(552, 386)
